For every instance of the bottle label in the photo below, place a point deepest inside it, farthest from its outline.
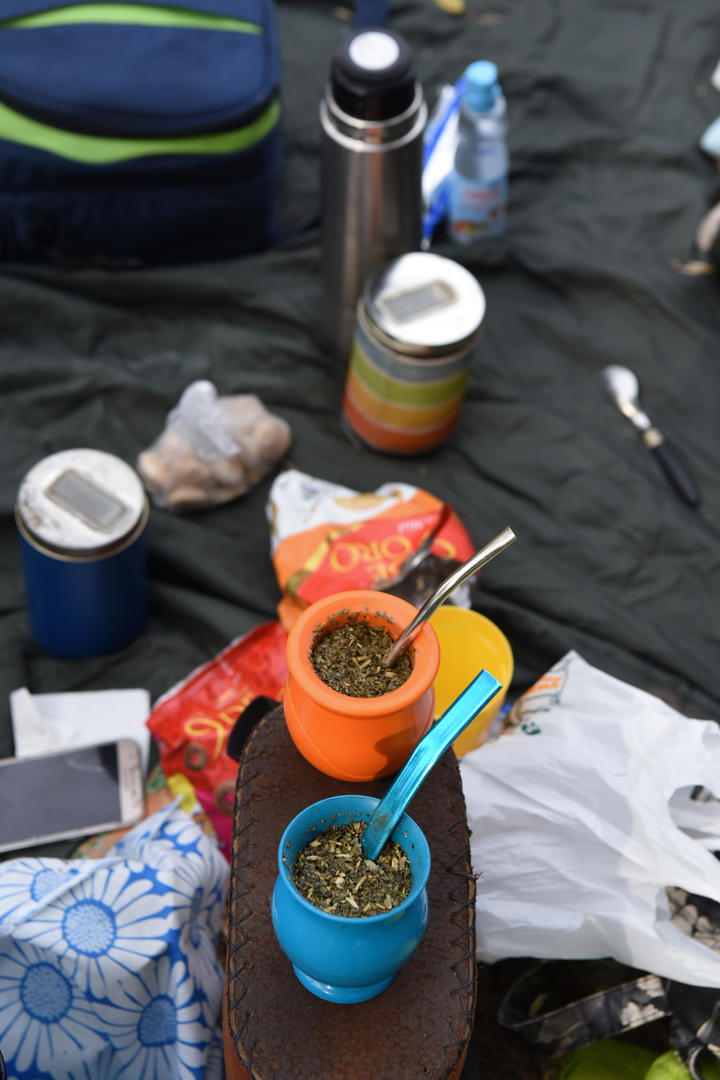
(477, 209)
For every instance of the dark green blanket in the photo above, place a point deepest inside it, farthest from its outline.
(607, 100)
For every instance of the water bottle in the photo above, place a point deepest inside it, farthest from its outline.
(479, 180)
(373, 116)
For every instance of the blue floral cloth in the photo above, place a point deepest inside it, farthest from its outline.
(108, 967)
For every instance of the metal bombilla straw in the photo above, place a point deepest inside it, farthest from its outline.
(484, 555)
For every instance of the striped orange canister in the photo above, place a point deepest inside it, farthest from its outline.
(417, 324)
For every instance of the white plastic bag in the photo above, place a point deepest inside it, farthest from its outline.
(581, 818)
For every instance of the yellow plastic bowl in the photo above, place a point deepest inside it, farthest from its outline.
(469, 642)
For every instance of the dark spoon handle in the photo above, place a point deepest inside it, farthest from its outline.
(676, 472)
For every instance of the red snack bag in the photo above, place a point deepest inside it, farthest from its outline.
(191, 721)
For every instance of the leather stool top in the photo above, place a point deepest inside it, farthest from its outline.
(275, 1029)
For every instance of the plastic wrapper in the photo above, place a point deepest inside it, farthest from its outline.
(212, 449)
(191, 721)
(326, 538)
(585, 822)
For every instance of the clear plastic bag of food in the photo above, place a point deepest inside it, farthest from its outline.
(212, 449)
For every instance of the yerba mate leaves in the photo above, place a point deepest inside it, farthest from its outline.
(333, 873)
(349, 659)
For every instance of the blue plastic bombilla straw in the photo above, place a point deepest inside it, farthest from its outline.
(431, 747)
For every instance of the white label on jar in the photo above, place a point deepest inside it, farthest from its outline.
(374, 50)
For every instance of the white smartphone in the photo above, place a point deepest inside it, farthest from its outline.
(69, 793)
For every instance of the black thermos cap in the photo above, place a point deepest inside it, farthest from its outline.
(372, 75)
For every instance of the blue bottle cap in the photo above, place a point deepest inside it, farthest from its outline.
(481, 85)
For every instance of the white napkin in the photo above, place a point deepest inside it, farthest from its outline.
(46, 722)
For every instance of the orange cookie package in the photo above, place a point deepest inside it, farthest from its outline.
(327, 539)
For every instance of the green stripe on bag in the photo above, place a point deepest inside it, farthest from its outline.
(129, 15)
(96, 150)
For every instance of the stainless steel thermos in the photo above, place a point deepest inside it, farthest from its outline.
(373, 116)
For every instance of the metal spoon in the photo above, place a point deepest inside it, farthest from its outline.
(431, 747)
(484, 555)
(415, 558)
(623, 387)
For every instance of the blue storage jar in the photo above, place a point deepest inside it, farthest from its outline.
(82, 517)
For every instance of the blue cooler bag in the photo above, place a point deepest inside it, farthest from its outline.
(138, 133)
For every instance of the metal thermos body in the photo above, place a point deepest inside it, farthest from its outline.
(373, 117)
